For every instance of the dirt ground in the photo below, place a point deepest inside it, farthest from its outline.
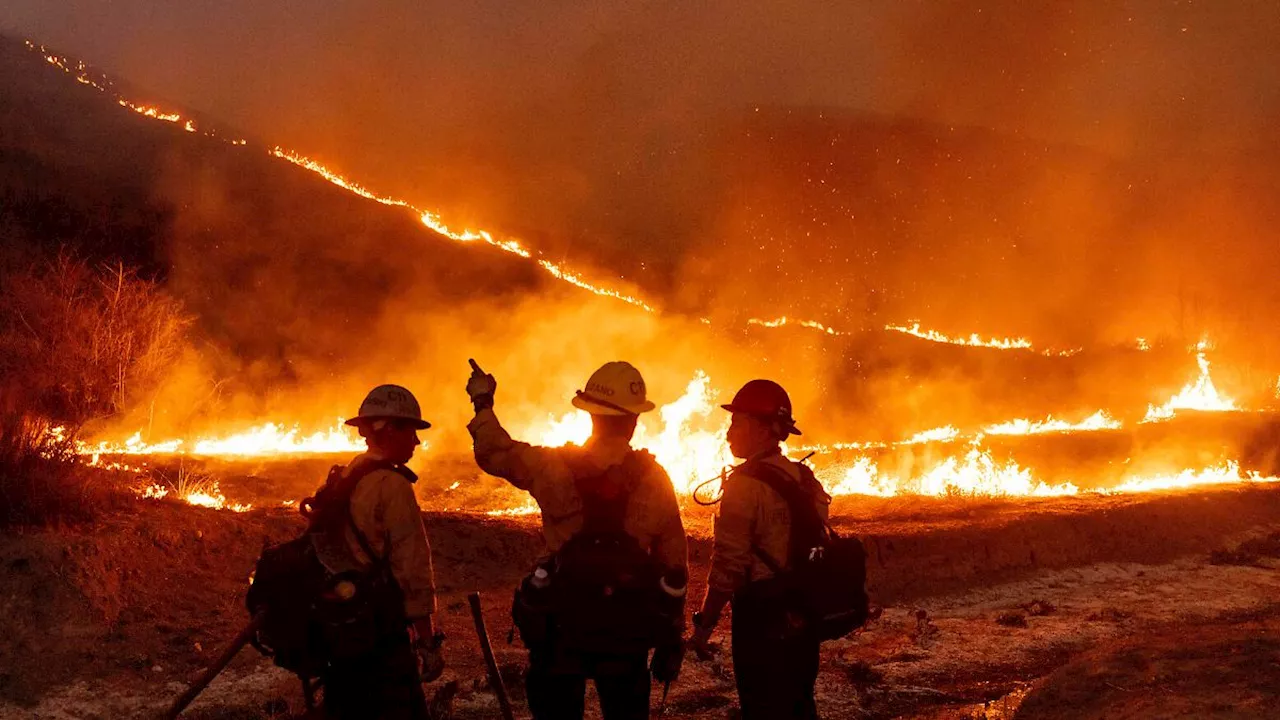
(989, 612)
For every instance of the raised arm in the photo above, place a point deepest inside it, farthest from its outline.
(519, 463)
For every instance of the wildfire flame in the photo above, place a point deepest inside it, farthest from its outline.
(429, 219)
(432, 221)
(80, 71)
(687, 435)
(938, 435)
(977, 473)
(151, 112)
(1100, 420)
(784, 321)
(973, 340)
(265, 439)
(1097, 421)
(974, 473)
(1200, 394)
(528, 508)
(687, 438)
(1226, 473)
(914, 330)
(211, 498)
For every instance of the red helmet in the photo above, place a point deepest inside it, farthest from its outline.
(765, 399)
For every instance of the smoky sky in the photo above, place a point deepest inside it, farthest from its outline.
(422, 73)
(597, 130)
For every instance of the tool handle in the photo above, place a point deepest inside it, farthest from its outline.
(216, 668)
(495, 678)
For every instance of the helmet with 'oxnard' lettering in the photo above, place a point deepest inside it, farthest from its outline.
(615, 389)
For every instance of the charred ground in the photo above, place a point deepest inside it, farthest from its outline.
(122, 613)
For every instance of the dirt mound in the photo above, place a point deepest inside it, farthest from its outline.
(1228, 668)
(920, 548)
(156, 591)
(157, 587)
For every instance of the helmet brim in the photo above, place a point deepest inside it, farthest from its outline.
(793, 430)
(416, 423)
(582, 401)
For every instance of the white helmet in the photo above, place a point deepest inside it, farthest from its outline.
(390, 402)
(615, 389)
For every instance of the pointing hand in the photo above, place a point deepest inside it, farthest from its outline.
(481, 386)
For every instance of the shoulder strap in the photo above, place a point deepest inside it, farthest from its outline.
(348, 488)
(799, 505)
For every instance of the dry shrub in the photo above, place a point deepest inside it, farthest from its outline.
(41, 481)
(77, 344)
(1011, 618)
(182, 481)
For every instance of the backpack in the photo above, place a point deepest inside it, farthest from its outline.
(826, 576)
(604, 590)
(312, 617)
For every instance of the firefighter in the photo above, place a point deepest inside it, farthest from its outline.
(605, 507)
(775, 661)
(386, 529)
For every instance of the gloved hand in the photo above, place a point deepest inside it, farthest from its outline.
(667, 661)
(430, 663)
(701, 642)
(426, 645)
(481, 386)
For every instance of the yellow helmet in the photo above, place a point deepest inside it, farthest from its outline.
(615, 389)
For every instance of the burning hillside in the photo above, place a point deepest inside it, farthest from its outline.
(1013, 264)
(970, 452)
(687, 438)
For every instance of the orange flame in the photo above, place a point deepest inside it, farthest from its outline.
(978, 474)
(974, 340)
(1200, 394)
(151, 112)
(939, 435)
(1226, 473)
(784, 321)
(432, 220)
(262, 440)
(914, 330)
(687, 436)
(975, 473)
(1097, 421)
(211, 498)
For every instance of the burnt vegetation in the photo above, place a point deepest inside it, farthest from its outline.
(78, 344)
(128, 246)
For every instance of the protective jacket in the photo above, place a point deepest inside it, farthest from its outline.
(752, 515)
(652, 516)
(386, 511)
